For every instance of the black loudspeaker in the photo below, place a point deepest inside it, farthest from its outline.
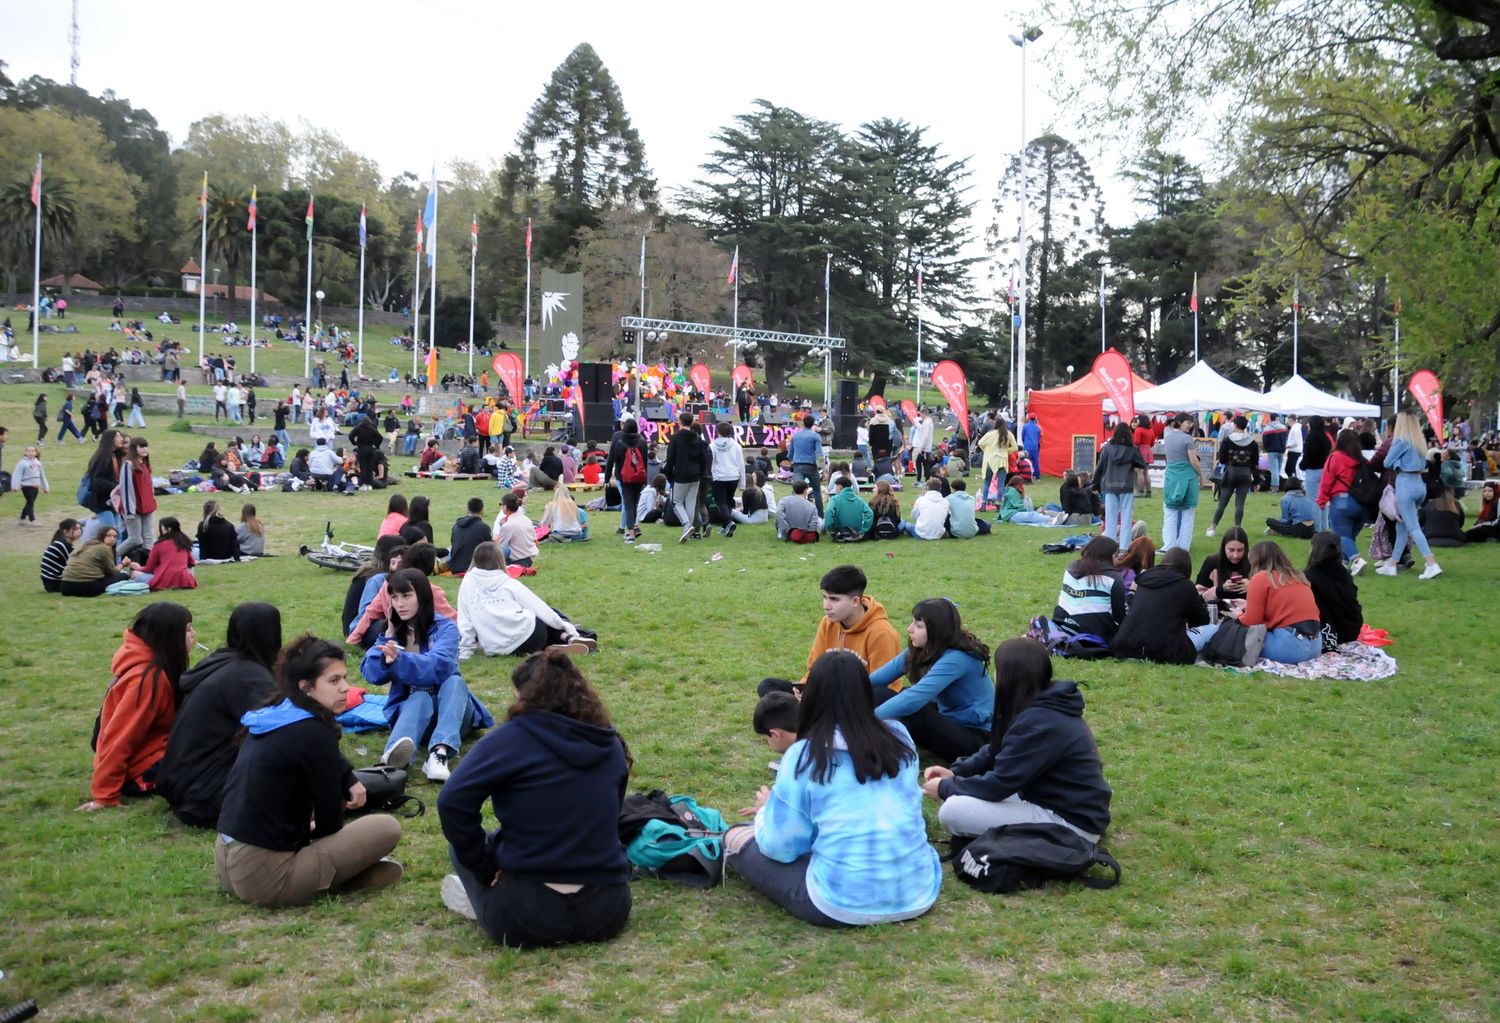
(776, 418)
(846, 417)
(598, 422)
(593, 379)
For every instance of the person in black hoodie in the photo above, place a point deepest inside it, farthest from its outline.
(685, 468)
(554, 872)
(216, 692)
(366, 439)
(469, 532)
(1041, 765)
(1166, 605)
(217, 540)
(1239, 455)
(1334, 590)
(1317, 445)
(282, 837)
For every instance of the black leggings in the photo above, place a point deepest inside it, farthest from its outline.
(1300, 530)
(1236, 484)
(522, 912)
(542, 636)
(1479, 534)
(29, 511)
(723, 501)
(96, 588)
(938, 734)
(41, 430)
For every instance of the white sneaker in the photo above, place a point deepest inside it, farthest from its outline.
(398, 754)
(456, 898)
(1432, 571)
(1357, 565)
(1386, 569)
(1210, 531)
(436, 767)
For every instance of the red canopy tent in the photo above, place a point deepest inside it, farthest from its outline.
(1075, 410)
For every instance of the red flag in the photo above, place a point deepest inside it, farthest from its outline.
(734, 267)
(508, 368)
(432, 367)
(700, 377)
(1193, 302)
(528, 251)
(948, 377)
(1428, 391)
(742, 375)
(876, 401)
(1113, 371)
(36, 182)
(910, 408)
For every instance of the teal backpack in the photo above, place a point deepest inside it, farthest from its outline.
(686, 847)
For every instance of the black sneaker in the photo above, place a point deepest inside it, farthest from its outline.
(729, 529)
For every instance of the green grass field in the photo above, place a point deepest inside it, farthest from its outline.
(1292, 850)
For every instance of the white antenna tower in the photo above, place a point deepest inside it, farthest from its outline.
(73, 39)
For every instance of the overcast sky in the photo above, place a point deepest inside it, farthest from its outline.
(415, 81)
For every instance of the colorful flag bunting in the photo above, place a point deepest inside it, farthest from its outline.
(734, 266)
(250, 223)
(364, 233)
(474, 235)
(528, 239)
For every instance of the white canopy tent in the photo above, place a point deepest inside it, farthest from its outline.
(1297, 397)
(1201, 389)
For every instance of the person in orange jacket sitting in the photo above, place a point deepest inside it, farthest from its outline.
(852, 622)
(140, 704)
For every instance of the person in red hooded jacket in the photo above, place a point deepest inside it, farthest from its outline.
(140, 704)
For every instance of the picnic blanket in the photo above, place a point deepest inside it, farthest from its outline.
(366, 716)
(1352, 662)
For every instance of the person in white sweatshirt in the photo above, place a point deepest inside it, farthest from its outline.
(728, 474)
(929, 516)
(515, 533)
(500, 617)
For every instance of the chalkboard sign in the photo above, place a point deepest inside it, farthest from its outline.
(1207, 452)
(1085, 446)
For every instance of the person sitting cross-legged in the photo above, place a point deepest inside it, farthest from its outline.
(501, 617)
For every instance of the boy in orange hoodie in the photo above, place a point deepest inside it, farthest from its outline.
(851, 621)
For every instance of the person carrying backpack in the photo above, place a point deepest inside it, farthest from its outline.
(1239, 455)
(627, 463)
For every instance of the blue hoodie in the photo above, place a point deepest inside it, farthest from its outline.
(427, 669)
(277, 715)
(870, 861)
(1047, 757)
(957, 682)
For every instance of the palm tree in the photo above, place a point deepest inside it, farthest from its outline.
(18, 224)
(228, 208)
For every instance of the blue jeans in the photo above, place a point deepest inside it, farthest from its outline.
(1273, 462)
(1031, 518)
(410, 447)
(1177, 527)
(1287, 647)
(1410, 490)
(1347, 517)
(454, 715)
(1119, 510)
(284, 439)
(1312, 479)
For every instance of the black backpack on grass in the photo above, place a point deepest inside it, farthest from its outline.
(1015, 857)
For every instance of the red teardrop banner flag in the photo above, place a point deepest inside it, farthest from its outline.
(948, 377)
(742, 376)
(508, 367)
(1113, 371)
(699, 377)
(909, 407)
(1425, 388)
(876, 401)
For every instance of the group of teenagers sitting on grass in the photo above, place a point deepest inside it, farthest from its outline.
(246, 743)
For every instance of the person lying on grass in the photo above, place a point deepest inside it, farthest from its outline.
(417, 656)
(555, 773)
(1040, 765)
(852, 621)
(501, 617)
(216, 692)
(946, 706)
(282, 835)
(140, 704)
(839, 840)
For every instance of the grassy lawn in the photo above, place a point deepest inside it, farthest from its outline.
(1292, 850)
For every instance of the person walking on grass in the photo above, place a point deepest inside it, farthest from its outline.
(1114, 477)
(31, 479)
(282, 838)
(1406, 457)
(1239, 455)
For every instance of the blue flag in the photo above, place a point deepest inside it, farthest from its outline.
(429, 218)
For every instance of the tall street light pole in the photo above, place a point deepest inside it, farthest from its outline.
(1029, 35)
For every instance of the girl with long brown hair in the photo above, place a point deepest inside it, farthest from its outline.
(555, 772)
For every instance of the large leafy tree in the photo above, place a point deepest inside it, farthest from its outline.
(1064, 221)
(1364, 134)
(18, 225)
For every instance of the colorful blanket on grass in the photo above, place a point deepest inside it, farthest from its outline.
(1352, 662)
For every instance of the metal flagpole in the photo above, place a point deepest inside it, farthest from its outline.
(36, 266)
(1010, 394)
(359, 369)
(639, 338)
(1029, 35)
(1296, 315)
(202, 262)
(254, 227)
(307, 315)
(473, 259)
(827, 329)
(1101, 311)
(736, 303)
(1195, 319)
(528, 300)
(1396, 367)
(416, 303)
(432, 277)
(919, 333)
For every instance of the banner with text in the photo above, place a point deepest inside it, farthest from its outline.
(1112, 370)
(508, 367)
(1428, 391)
(561, 341)
(948, 377)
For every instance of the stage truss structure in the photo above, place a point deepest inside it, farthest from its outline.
(738, 338)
